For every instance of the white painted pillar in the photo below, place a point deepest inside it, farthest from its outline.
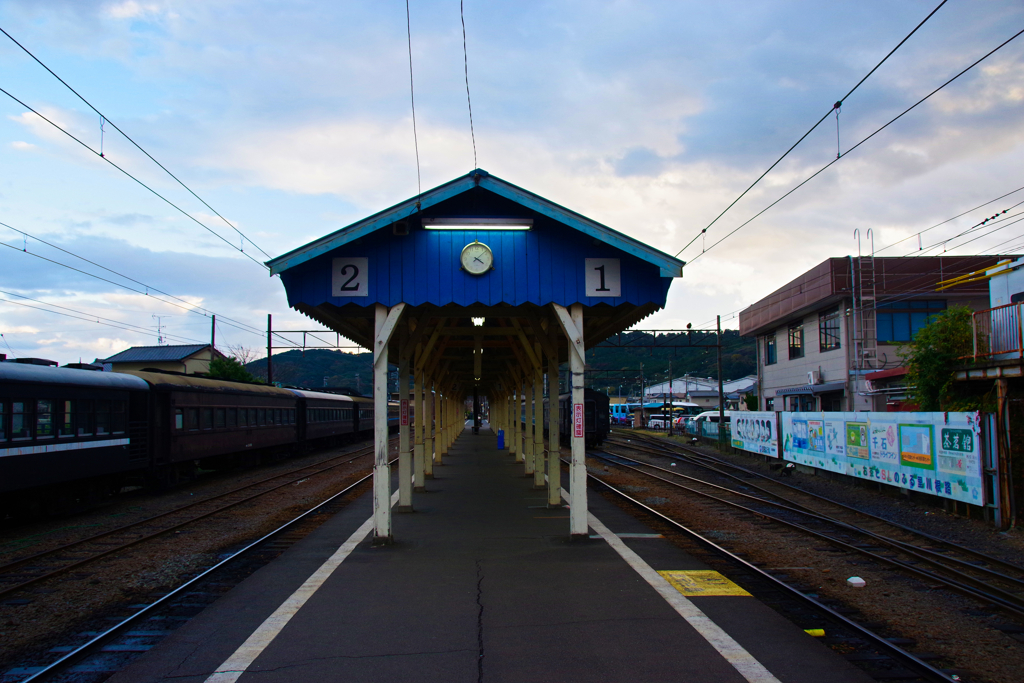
(517, 424)
(554, 452)
(538, 412)
(384, 324)
(404, 446)
(578, 471)
(442, 426)
(428, 425)
(417, 392)
(527, 422)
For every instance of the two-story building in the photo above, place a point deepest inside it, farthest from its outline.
(821, 334)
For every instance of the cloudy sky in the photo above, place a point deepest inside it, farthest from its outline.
(292, 119)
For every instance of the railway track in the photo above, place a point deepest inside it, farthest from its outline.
(27, 571)
(987, 579)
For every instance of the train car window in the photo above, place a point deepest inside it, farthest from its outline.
(3, 422)
(207, 415)
(84, 417)
(221, 419)
(253, 421)
(277, 416)
(263, 417)
(243, 417)
(21, 420)
(44, 419)
(291, 416)
(117, 417)
(66, 421)
(179, 418)
(232, 417)
(193, 419)
(102, 416)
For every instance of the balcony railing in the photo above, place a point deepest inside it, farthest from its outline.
(998, 333)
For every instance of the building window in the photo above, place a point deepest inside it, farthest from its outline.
(796, 341)
(771, 354)
(828, 330)
(899, 321)
(769, 404)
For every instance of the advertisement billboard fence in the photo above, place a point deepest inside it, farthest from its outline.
(756, 431)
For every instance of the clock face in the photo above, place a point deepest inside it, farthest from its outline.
(477, 258)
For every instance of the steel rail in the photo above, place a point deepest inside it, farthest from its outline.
(109, 551)
(1006, 601)
(670, 447)
(80, 652)
(907, 659)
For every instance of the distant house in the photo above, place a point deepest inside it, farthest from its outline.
(189, 359)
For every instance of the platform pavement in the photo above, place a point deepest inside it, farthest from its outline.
(483, 584)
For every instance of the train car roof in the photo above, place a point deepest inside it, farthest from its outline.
(305, 393)
(21, 372)
(159, 379)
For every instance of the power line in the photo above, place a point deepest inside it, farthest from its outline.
(165, 199)
(834, 107)
(991, 201)
(879, 130)
(465, 62)
(189, 307)
(412, 99)
(106, 119)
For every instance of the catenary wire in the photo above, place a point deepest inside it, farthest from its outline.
(465, 62)
(106, 119)
(921, 232)
(862, 141)
(412, 100)
(165, 199)
(188, 307)
(820, 121)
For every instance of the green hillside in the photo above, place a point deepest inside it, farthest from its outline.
(318, 368)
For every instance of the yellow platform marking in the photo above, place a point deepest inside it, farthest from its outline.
(701, 582)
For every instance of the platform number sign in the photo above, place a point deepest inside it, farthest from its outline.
(577, 420)
(405, 412)
(602, 277)
(349, 276)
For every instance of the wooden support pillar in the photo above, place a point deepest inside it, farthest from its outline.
(1008, 515)
(384, 325)
(417, 392)
(428, 436)
(572, 325)
(517, 420)
(404, 445)
(528, 422)
(538, 412)
(442, 427)
(554, 446)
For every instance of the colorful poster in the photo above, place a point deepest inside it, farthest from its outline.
(755, 431)
(937, 453)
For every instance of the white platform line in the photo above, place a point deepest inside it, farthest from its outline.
(237, 664)
(733, 652)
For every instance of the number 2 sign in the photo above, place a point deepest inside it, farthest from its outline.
(349, 277)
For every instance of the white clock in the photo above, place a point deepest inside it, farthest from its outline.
(477, 258)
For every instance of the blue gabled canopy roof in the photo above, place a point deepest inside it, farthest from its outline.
(668, 265)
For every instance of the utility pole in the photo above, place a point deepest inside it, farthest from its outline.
(671, 398)
(213, 336)
(721, 394)
(270, 350)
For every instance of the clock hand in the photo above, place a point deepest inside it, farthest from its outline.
(477, 258)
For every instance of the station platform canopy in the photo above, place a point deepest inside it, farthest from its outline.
(538, 253)
(477, 287)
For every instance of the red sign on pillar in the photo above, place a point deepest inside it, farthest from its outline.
(405, 412)
(577, 420)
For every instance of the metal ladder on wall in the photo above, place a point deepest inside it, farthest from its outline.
(867, 341)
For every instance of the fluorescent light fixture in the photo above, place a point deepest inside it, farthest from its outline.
(478, 321)
(477, 223)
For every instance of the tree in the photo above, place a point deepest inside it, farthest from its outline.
(938, 349)
(230, 369)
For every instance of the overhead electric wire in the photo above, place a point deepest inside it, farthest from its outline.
(921, 232)
(820, 121)
(189, 307)
(465, 62)
(97, 319)
(844, 154)
(412, 99)
(165, 199)
(106, 119)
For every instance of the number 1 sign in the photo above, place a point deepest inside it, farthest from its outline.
(602, 277)
(349, 277)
